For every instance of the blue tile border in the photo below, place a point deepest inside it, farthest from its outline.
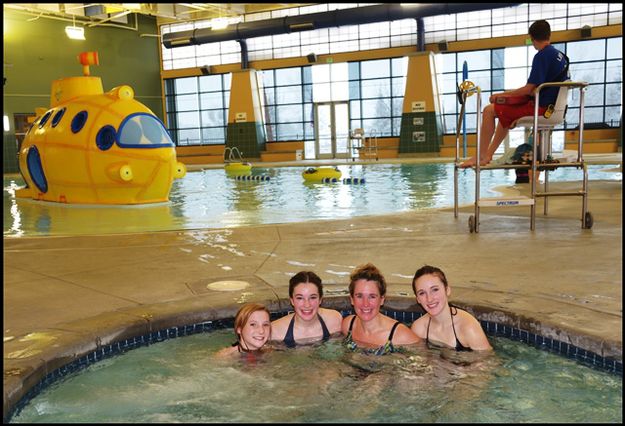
(582, 356)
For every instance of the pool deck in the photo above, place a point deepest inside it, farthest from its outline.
(64, 296)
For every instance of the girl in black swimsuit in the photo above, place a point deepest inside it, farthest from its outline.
(444, 323)
(309, 322)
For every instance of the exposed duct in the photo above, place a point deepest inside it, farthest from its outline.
(334, 18)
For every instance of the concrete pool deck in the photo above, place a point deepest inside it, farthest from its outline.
(65, 296)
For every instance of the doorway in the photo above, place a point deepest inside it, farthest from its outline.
(331, 130)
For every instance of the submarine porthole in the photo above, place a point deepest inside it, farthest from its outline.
(105, 137)
(44, 119)
(33, 160)
(57, 117)
(79, 121)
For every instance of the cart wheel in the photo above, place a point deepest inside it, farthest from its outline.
(588, 221)
(471, 224)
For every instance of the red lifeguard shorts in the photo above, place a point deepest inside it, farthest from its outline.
(507, 114)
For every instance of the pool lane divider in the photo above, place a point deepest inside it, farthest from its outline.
(347, 181)
(354, 180)
(254, 177)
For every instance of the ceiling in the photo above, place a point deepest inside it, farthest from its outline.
(98, 13)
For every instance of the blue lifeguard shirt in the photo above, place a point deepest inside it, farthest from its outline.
(547, 66)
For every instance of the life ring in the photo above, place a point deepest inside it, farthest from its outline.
(238, 168)
(321, 174)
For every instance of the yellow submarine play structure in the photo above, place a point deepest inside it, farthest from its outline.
(92, 147)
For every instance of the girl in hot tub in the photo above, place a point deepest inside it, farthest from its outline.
(252, 327)
(443, 324)
(309, 322)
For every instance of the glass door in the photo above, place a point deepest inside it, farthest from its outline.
(331, 130)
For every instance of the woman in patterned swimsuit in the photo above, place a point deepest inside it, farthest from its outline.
(444, 323)
(368, 329)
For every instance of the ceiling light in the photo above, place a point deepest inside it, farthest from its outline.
(75, 33)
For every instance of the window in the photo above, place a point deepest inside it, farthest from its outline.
(197, 109)
(500, 22)
(288, 104)
(376, 94)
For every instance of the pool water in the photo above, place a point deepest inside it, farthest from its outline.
(210, 199)
(178, 380)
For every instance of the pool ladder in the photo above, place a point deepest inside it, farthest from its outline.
(232, 155)
(466, 89)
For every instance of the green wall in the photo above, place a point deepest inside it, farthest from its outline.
(37, 52)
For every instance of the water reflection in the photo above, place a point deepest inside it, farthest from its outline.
(210, 199)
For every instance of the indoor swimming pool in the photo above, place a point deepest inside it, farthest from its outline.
(211, 199)
(179, 380)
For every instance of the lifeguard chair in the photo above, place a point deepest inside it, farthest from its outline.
(543, 125)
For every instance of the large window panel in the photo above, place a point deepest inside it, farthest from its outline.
(288, 76)
(449, 82)
(188, 119)
(398, 87)
(375, 69)
(289, 113)
(196, 109)
(354, 89)
(213, 135)
(594, 95)
(322, 92)
(613, 116)
(290, 132)
(379, 88)
(339, 91)
(379, 127)
(615, 48)
(354, 109)
(450, 103)
(590, 50)
(189, 137)
(614, 71)
(398, 104)
(613, 94)
(376, 108)
(186, 85)
(211, 100)
(479, 60)
(590, 72)
(288, 95)
(187, 102)
(212, 118)
(211, 83)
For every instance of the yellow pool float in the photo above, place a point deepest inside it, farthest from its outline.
(322, 174)
(238, 168)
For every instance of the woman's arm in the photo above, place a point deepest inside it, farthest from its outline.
(332, 318)
(405, 336)
(473, 334)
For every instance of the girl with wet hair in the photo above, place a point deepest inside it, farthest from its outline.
(309, 322)
(252, 328)
(443, 324)
(369, 329)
